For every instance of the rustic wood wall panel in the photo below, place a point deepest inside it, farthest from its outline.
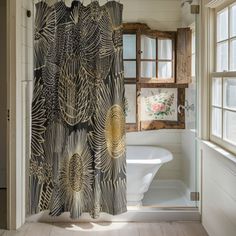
(181, 67)
(183, 51)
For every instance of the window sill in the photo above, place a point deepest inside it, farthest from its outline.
(223, 152)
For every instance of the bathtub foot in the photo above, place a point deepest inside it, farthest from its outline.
(134, 199)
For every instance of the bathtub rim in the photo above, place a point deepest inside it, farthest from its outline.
(160, 160)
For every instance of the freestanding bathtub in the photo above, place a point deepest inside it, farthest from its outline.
(143, 162)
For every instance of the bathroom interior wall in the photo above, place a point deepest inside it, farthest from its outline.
(158, 14)
(3, 95)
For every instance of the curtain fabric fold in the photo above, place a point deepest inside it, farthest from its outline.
(78, 159)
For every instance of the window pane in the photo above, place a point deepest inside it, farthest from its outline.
(130, 69)
(222, 56)
(164, 49)
(222, 25)
(129, 45)
(217, 92)
(164, 70)
(230, 126)
(148, 69)
(216, 121)
(230, 93)
(233, 54)
(233, 21)
(148, 47)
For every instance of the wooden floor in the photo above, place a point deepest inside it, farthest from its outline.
(109, 229)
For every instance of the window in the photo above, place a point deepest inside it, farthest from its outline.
(152, 89)
(157, 58)
(129, 42)
(223, 80)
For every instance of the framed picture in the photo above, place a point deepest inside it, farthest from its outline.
(159, 104)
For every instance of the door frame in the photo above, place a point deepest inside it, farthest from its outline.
(15, 157)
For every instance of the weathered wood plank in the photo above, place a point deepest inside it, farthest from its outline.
(183, 56)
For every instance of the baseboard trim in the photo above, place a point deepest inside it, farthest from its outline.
(141, 215)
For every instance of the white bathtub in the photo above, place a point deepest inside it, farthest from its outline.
(143, 162)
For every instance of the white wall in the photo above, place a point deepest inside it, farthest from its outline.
(3, 95)
(158, 14)
(218, 191)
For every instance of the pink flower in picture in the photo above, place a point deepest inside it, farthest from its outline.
(158, 107)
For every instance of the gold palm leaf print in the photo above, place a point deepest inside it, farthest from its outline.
(114, 131)
(75, 92)
(113, 199)
(108, 137)
(44, 30)
(75, 175)
(78, 121)
(38, 120)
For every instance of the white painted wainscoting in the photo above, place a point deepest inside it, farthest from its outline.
(218, 191)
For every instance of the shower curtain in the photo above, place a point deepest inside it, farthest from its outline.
(77, 159)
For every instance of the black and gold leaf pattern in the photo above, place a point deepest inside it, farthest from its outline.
(38, 121)
(78, 123)
(108, 135)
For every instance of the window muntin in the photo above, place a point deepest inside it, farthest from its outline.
(157, 58)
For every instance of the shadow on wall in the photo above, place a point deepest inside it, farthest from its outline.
(3, 208)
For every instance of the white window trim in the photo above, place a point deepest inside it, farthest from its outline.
(212, 73)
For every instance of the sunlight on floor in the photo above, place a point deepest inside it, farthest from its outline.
(108, 226)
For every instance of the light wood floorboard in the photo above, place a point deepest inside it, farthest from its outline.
(110, 229)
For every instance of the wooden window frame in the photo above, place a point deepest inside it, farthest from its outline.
(139, 29)
(158, 35)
